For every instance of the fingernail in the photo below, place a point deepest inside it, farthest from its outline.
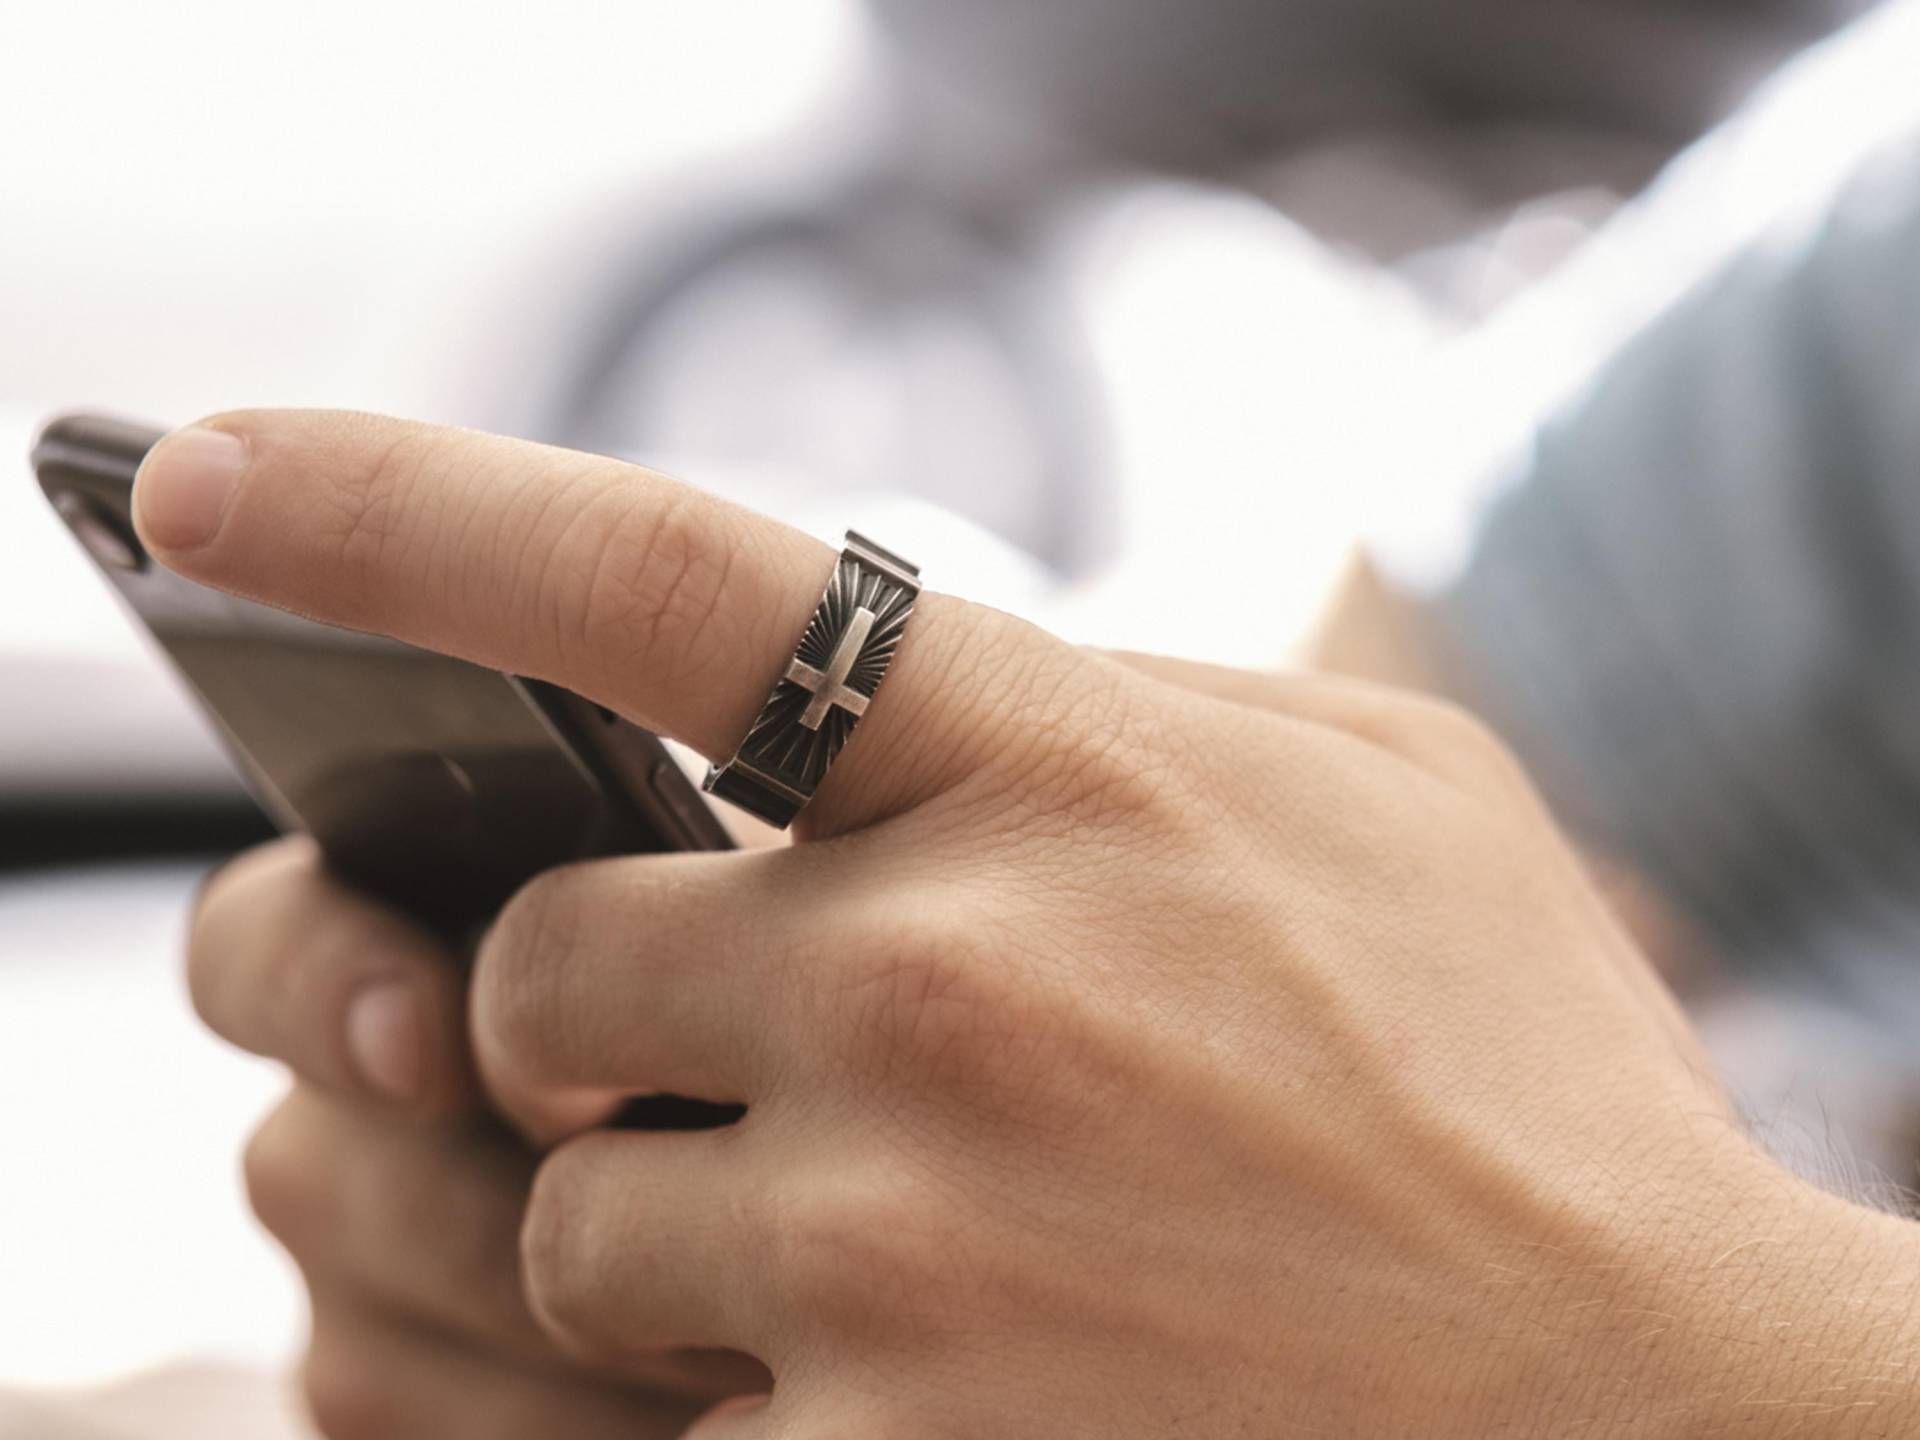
(184, 486)
(385, 1039)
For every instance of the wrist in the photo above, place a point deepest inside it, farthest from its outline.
(1798, 1319)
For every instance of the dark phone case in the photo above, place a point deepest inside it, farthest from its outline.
(439, 785)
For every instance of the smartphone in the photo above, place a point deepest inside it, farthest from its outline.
(438, 785)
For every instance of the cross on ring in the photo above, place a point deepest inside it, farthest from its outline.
(829, 686)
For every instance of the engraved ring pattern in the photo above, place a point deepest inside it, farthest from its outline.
(826, 687)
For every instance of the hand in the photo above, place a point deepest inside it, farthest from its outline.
(399, 1201)
(1123, 1057)
(1374, 631)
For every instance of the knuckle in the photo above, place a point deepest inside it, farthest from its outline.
(209, 968)
(515, 1003)
(345, 1390)
(1104, 778)
(853, 1251)
(936, 1006)
(570, 1293)
(1109, 762)
(1444, 722)
(1451, 740)
(923, 1002)
(211, 954)
(285, 1177)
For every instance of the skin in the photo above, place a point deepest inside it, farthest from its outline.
(1373, 631)
(402, 1207)
(1129, 1048)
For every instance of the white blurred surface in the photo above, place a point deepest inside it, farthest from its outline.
(1254, 381)
(124, 1232)
(238, 203)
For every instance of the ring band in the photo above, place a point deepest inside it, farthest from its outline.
(825, 688)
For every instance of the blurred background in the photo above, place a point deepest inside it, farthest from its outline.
(1142, 318)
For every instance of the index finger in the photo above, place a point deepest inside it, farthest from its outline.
(650, 596)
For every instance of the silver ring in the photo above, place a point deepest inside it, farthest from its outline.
(825, 688)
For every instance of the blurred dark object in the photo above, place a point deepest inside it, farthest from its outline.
(1513, 99)
(49, 834)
